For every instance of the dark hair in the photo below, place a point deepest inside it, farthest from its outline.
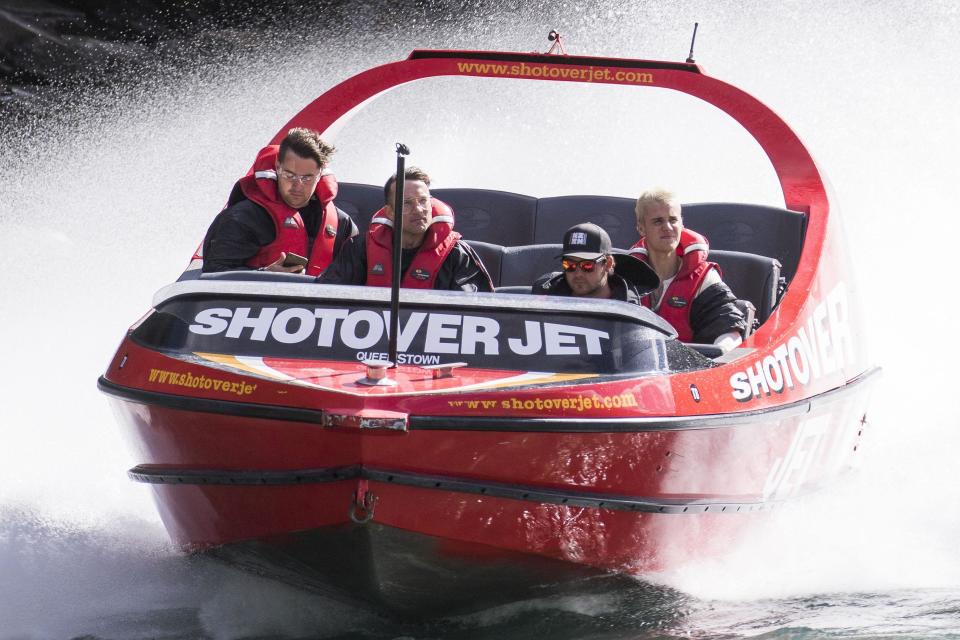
(411, 173)
(306, 143)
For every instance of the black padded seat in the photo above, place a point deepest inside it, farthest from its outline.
(616, 216)
(498, 217)
(750, 277)
(750, 228)
(523, 265)
(491, 255)
(359, 201)
(510, 219)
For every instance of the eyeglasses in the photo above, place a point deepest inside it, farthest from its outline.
(410, 205)
(587, 266)
(292, 177)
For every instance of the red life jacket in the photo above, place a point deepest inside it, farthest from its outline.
(260, 186)
(422, 273)
(676, 301)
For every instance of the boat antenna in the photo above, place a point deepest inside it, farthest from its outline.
(557, 46)
(693, 40)
(402, 151)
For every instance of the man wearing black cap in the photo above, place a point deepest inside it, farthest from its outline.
(591, 271)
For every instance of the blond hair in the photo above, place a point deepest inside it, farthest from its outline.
(656, 196)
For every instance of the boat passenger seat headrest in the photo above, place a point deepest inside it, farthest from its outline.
(496, 217)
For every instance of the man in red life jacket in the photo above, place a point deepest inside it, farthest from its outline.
(284, 205)
(591, 270)
(433, 255)
(692, 296)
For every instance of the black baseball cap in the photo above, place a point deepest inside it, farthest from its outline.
(586, 241)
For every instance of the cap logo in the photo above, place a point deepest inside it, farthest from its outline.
(578, 238)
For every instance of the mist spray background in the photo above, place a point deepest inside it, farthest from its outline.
(102, 203)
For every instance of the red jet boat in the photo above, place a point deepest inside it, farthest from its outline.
(520, 436)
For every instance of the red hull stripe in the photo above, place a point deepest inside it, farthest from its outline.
(758, 417)
(167, 475)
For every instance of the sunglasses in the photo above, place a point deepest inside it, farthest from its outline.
(587, 266)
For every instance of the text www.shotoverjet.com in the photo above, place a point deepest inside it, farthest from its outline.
(523, 70)
(578, 403)
(200, 382)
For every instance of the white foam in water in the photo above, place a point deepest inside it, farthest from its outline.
(878, 120)
(100, 211)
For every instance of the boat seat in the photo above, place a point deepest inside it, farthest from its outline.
(751, 277)
(523, 265)
(359, 201)
(513, 220)
(750, 228)
(497, 217)
(491, 255)
(616, 216)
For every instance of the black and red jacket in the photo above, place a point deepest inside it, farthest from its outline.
(677, 301)
(260, 186)
(422, 273)
(444, 261)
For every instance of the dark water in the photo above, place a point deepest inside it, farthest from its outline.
(122, 581)
(108, 181)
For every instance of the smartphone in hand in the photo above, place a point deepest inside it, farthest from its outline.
(293, 260)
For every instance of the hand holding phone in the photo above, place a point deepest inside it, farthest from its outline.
(287, 263)
(294, 260)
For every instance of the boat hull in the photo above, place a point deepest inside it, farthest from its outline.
(405, 574)
(645, 497)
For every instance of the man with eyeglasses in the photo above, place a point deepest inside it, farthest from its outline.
(590, 269)
(283, 206)
(433, 255)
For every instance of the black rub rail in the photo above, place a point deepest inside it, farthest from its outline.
(149, 475)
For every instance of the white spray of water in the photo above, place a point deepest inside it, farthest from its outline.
(99, 211)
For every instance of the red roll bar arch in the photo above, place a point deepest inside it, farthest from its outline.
(800, 180)
(803, 187)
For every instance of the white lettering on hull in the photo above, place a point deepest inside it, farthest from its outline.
(824, 345)
(441, 333)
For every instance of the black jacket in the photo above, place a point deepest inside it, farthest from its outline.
(714, 312)
(555, 284)
(239, 231)
(461, 271)
(631, 279)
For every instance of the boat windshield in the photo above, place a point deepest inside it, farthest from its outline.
(350, 324)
